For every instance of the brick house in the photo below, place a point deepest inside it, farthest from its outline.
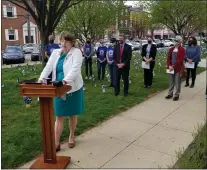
(124, 21)
(14, 29)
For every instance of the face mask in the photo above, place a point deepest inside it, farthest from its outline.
(51, 41)
(121, 41)
(149, 41)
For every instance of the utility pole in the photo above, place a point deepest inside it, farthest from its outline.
(28, 28)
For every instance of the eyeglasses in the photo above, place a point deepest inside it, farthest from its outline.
(62, 41)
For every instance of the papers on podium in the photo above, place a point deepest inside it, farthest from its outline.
(189, 65)
(170, 71)
(145, 65)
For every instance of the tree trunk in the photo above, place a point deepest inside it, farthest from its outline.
(44, 41)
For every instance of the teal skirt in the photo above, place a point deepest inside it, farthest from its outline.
(73, 105)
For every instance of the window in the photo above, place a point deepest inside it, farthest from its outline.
(9, 11)
(126, 23)
(11, 34)
(126, 11)
(121, 23)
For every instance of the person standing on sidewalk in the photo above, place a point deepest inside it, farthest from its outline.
(101, 60)
(110, 61)
(192, 55)
(121, 58)
(149, 52)
(88, 51)
(175, 62)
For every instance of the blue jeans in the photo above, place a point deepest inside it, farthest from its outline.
(112, 71)
(101, 69)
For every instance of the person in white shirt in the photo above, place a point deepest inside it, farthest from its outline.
(65, 65)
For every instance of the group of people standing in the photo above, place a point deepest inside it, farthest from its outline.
(117, 56)
(65, 63)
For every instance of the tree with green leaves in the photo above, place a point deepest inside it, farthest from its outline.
(46, 14)
(89, 19)
(182, 17)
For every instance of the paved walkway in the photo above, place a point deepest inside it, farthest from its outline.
(146, 136)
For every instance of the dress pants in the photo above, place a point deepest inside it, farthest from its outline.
(148, 74)
(175, 80)
(193, 74)
(124, 73)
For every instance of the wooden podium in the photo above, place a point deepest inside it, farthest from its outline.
(45, 92)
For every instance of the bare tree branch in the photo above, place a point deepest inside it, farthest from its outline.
(17, 4)
(30, 10)
(75, 3)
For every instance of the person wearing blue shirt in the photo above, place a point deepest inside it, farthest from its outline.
(51, 46)
(101, 57)
(88, 51)
(111, 65)
(49, 49)
(192, 55)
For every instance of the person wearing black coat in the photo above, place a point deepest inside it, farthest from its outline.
(149, 52)
(121, 57)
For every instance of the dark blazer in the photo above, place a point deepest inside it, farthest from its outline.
(126, 55)
(153, 51)
(178, 66)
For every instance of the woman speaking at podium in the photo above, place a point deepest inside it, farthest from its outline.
(65, 65)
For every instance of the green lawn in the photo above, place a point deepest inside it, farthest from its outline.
(195, 156)
(21, 135)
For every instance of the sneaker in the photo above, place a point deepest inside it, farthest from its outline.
(86, 78)
(168, 97)
(187, 84)
(90, 78)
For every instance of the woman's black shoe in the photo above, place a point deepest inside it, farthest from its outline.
(186, 85)
(192, 85)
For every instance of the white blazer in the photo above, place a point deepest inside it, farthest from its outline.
(71, 68)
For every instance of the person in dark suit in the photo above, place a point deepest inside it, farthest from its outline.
(121, 57)
(149, 52)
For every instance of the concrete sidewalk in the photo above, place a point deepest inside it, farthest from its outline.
(146, 136)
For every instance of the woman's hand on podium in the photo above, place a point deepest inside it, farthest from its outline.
(39, 81)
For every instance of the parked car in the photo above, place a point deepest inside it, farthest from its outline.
(135, 46)
(13, 54)
(28, 48)
(159, 43)
(128, 42)
(36, 53)
(168, 43)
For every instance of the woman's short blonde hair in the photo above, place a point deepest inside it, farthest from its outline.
(65, 35)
